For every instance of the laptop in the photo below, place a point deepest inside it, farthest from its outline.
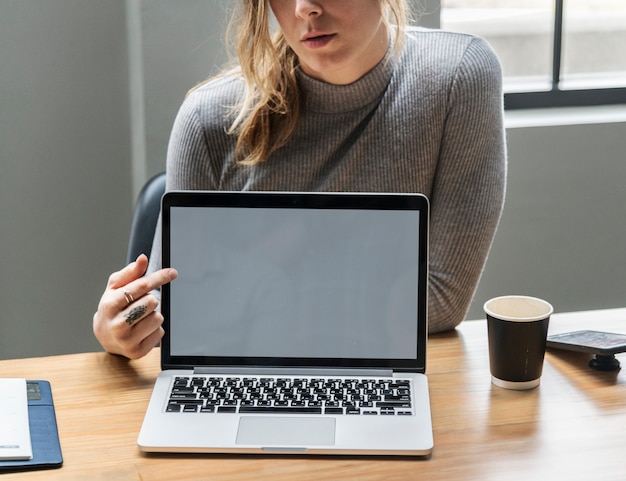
(297, 325)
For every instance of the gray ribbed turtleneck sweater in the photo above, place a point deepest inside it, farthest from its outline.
(437, 129)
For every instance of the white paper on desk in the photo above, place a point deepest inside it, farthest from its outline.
(14, 427)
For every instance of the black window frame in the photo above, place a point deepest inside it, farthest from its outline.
(556, 96)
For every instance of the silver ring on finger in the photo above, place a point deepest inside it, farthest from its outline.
(128, 296)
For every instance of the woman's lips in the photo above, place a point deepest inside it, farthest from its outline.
(317, 41)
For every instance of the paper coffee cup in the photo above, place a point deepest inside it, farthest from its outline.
(517, 330)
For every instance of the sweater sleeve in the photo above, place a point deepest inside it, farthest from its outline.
(469, 186)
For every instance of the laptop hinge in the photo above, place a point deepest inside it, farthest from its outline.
(274, 371)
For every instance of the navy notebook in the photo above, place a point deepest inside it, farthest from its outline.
(43, 431)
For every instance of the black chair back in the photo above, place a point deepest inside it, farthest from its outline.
(145, 217)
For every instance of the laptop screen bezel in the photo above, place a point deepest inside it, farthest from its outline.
(247, 199)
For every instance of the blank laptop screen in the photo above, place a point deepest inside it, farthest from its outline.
(294, 283)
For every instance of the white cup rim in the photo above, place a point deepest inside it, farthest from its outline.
(542, 308)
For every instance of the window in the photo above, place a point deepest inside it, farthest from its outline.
(553, 52)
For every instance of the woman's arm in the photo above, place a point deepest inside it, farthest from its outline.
(469, 186)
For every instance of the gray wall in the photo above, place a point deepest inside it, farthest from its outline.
(88, 93)
(563, 228)
(64, 168)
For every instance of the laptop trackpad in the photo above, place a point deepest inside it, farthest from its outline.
(286, 431)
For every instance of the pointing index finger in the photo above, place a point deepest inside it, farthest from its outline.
(150, 282)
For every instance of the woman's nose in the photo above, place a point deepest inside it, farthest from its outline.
(308, 8)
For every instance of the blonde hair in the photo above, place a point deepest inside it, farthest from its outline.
(270, 107)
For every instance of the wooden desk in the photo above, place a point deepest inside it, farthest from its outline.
(572, 427)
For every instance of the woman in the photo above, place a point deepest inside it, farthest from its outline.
(339, 99)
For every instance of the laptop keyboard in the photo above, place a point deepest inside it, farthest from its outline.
(290, 395)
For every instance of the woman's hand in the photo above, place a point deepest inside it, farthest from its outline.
(127, 322)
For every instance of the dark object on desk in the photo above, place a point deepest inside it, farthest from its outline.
(603, 344)
(43, 431)
(145, 216)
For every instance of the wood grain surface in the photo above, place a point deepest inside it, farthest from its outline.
(573, 426)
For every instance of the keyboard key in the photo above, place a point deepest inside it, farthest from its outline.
(227, 409)
(189, 402)
(332, 410)
(280, 409)
(393, 404)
